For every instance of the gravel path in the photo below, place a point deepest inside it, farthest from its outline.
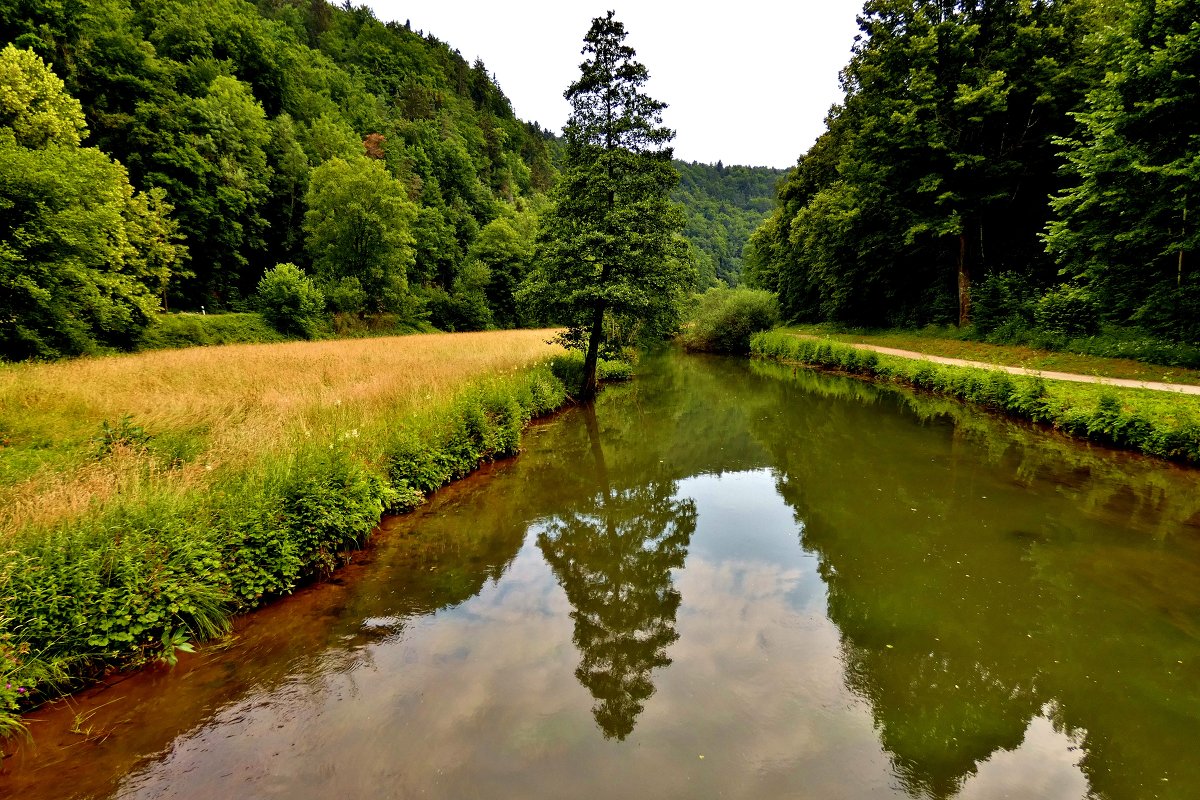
(1178, 388)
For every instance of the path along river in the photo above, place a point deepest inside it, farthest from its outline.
(725, 580)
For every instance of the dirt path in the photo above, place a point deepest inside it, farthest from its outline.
(1178, 388)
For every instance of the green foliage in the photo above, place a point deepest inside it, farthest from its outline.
(724, 319)
(610, 245)
(922, 182)
(291, 302)
(34, 103)
(1155, 423)
(168, 331)
(569, 369)
(1002, 300)
(359, 225)
(82, 256)
(106, 589)
(483, 425)
(723, 206)
(505, 246)
(1123, 226)
(225, 112)
(124, 435)
(331, 503)
(1068, 310)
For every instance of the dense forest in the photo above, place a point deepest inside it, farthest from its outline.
(293, 157)
(1002, 162)
(724, 206)
(174, 152)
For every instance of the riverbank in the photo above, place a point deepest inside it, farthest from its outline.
(1124, 357)
(149, 498)
(1166, 425)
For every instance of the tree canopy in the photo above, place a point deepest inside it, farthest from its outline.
(83, 257)
(994, 156)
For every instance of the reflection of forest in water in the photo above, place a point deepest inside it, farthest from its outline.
(979, 574)
(991, 574)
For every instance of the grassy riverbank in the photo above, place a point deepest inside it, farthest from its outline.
(1156, 423)
(1099, 356)
(148, 498)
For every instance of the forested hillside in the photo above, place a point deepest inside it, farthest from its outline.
(1002, 162)
(724, 205)
(174, 151)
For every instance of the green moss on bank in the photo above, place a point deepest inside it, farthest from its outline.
(1155, 423)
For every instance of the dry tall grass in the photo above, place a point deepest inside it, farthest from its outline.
(236, 402)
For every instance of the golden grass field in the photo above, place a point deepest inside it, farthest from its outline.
(227, 404)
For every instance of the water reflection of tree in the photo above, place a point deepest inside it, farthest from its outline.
(613, 554)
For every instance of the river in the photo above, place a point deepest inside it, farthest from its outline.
(726, 579)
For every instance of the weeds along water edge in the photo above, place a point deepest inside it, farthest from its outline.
(1159, 424)
(168, 563)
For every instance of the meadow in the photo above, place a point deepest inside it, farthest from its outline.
(169, 419)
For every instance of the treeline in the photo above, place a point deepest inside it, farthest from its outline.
(171, 152)
(1002, 162)
(723, 205)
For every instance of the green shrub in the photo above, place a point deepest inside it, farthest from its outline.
(331, 503)
(725, 319)
(1002, 301)
(107, 589)
(290, 301)
(1068, 310)
(171, 331)
(568, 368)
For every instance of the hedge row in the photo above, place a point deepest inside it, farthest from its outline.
(145, 580)
(1156, 423)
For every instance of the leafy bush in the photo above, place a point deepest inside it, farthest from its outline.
(172, 331)
(290, 301)
(345, 295)
(568, 368)
(1068, 310)
(1002, 300)
(124, 434)
(724, 319)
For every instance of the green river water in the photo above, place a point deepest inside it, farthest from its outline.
(727, 579)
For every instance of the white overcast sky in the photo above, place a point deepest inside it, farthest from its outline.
(746, 82)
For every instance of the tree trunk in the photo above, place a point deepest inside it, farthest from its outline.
(587, 389)
(964, 282)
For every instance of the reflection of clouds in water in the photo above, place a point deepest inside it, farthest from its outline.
(482, 699)
(1045, 765)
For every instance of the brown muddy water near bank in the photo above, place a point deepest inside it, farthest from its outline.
(727, 581)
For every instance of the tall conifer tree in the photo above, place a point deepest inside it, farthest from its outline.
(610, 247)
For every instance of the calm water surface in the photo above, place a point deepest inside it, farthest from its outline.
(726, 580)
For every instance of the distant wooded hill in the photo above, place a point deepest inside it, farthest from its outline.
(724, 206)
